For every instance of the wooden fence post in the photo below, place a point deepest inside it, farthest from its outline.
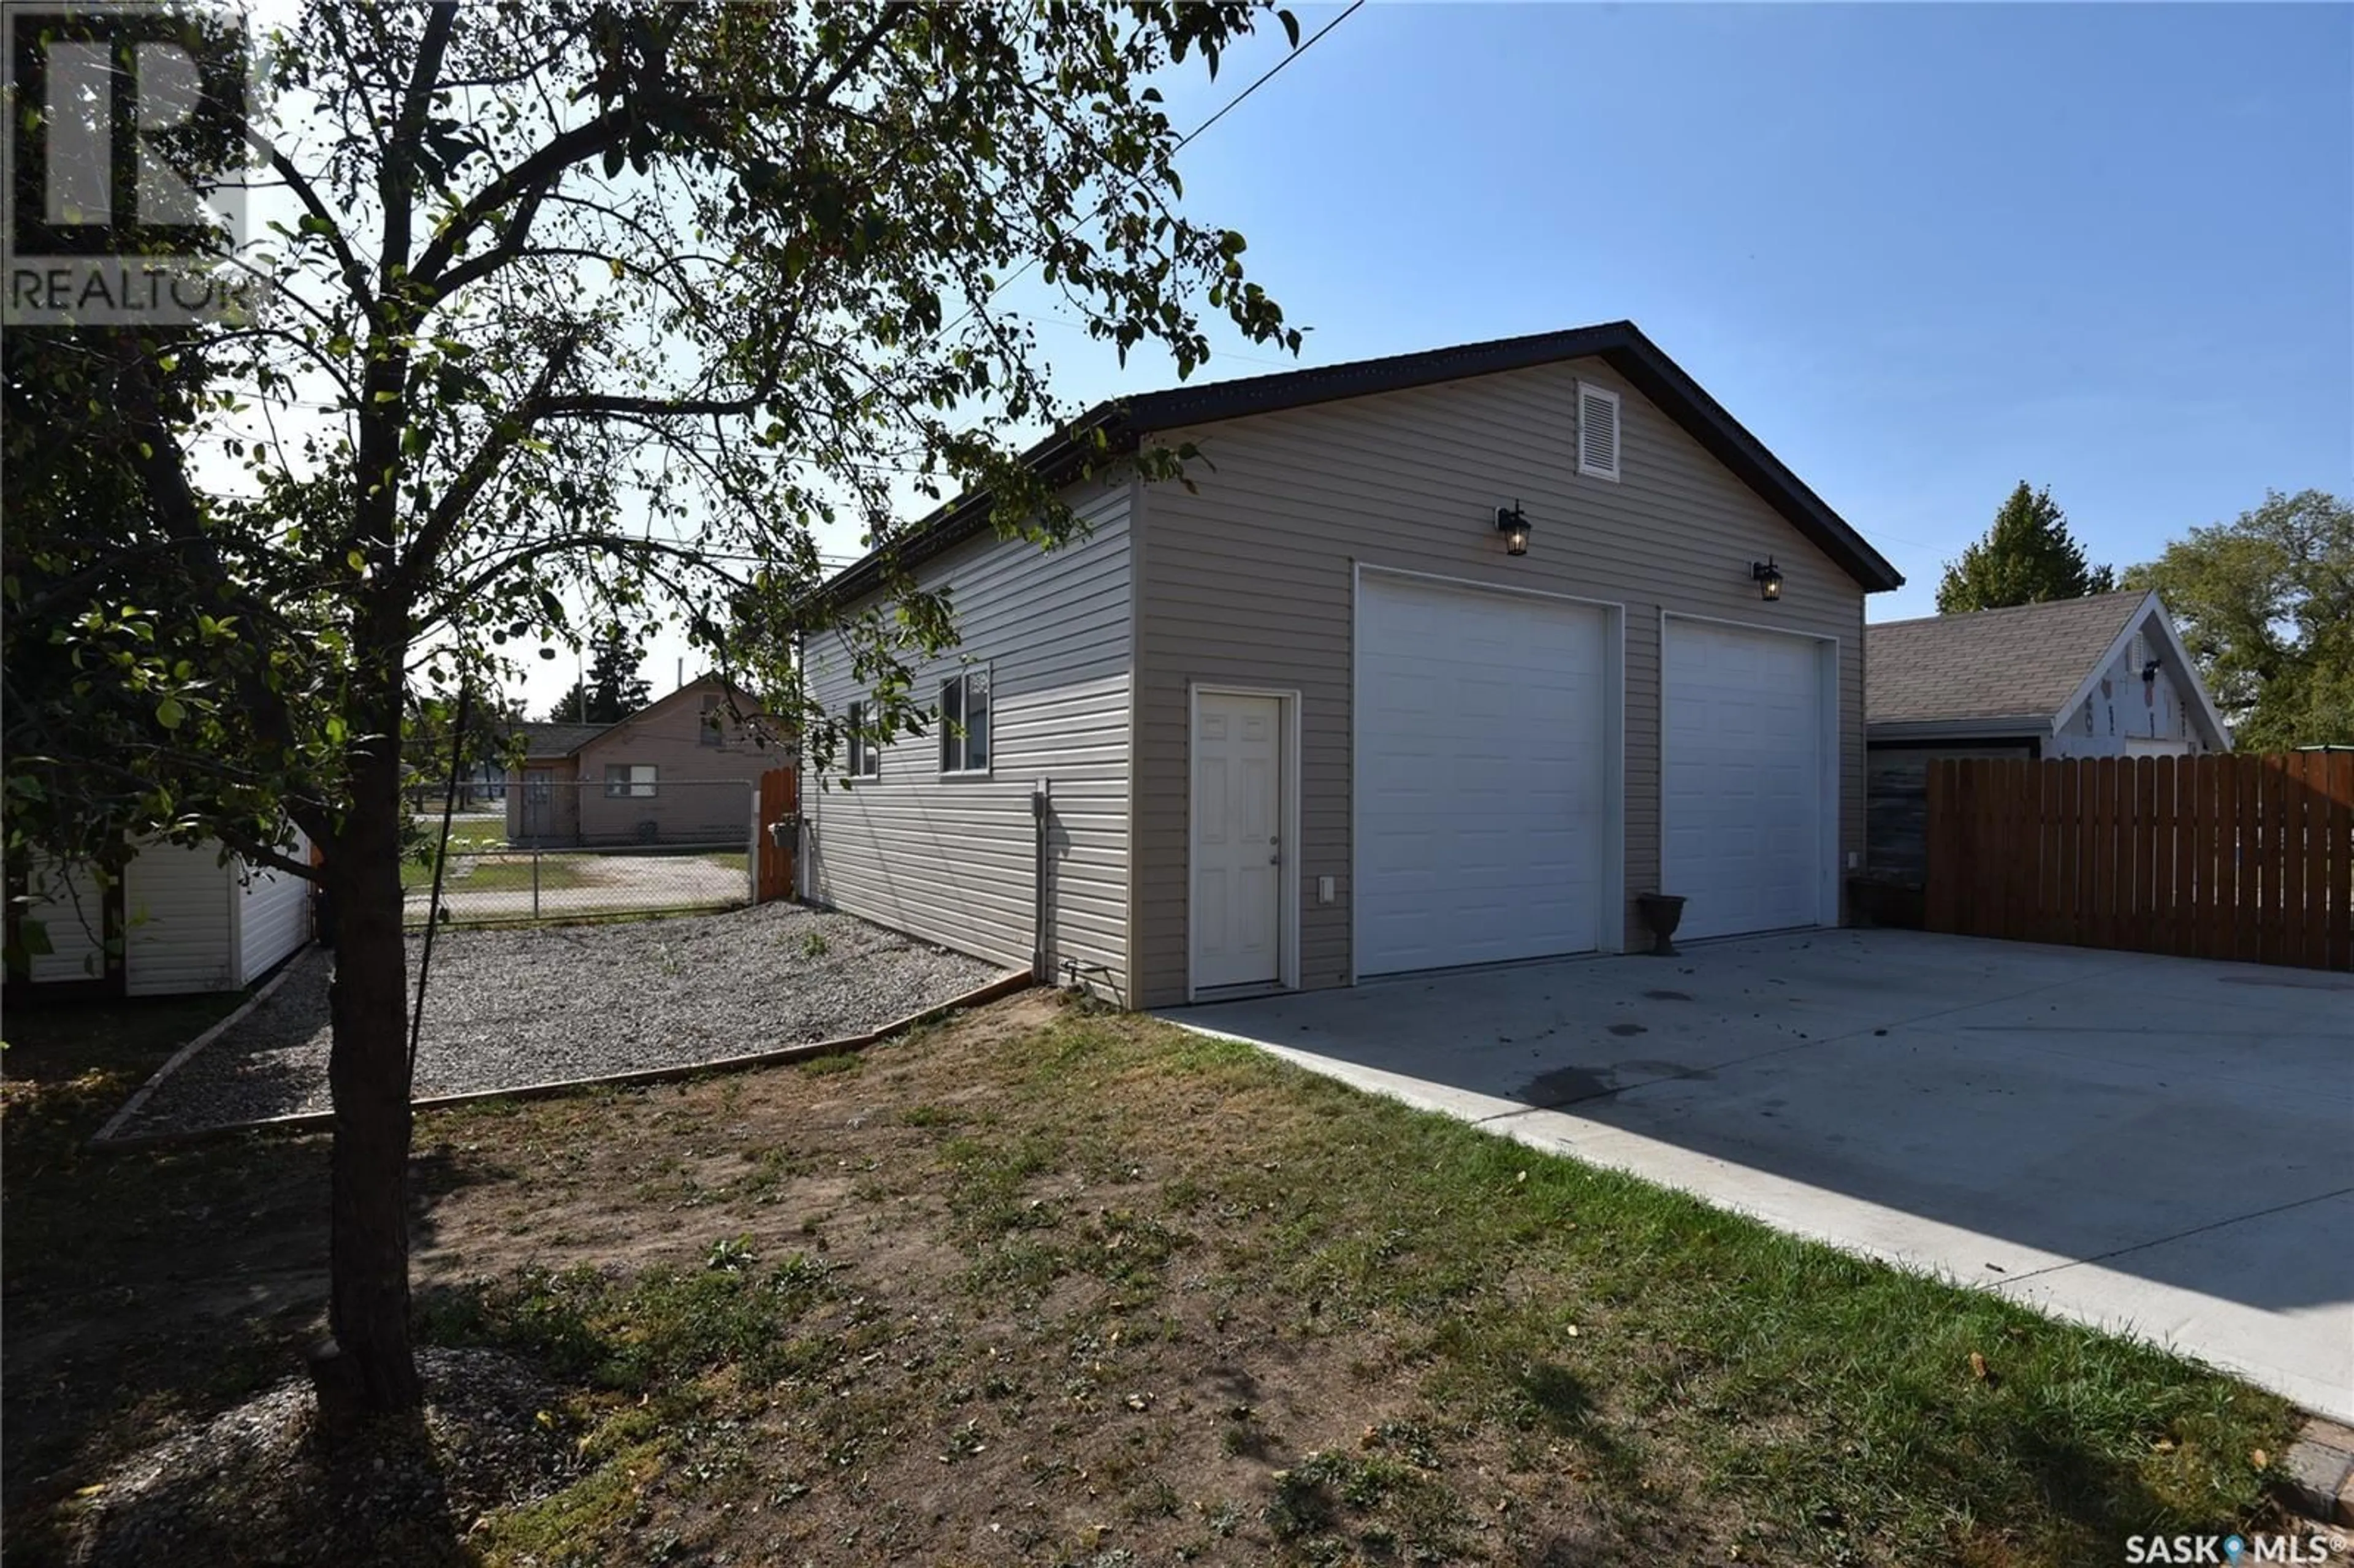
(2339, 772)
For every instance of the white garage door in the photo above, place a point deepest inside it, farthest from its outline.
(1742, 793)
(1481, 751)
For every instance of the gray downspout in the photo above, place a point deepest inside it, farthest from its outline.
(1041, 963)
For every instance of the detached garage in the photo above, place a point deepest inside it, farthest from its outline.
(1428, 662)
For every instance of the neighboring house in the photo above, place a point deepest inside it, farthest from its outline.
(2102, 676)
(1309, 719)
(189, 922)
(680, 770)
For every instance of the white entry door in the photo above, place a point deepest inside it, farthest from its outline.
(1237, 851)
(1749, 798)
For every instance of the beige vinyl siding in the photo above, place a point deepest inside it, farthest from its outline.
(951, 859)
(1248, 579)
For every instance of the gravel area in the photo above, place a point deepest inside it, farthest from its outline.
(508, 1008)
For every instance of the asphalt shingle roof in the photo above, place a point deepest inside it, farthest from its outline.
(2022, 663)
(558, 740)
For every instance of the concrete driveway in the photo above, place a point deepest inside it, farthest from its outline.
(2159, 1146)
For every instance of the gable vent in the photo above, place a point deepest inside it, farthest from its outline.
(1598, 431)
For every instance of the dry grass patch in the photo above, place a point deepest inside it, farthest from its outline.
(1050, 1284)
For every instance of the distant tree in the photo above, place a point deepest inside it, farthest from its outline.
(612, 690)
(2266, 604)
(2027, 557)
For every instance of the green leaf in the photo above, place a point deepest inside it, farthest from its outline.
(170, 714)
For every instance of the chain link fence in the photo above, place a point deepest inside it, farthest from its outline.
(634, 843)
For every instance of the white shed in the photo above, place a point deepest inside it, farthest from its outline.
(191, 922)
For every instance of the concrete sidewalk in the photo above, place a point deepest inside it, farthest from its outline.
(2158, 1146)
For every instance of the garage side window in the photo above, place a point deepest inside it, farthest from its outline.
(628, 781)
(865, 756)
(964, 722)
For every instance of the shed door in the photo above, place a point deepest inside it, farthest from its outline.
(1483, 736)
(1749, 798)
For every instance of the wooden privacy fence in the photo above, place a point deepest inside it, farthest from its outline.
(780, 801)
(2245, 857)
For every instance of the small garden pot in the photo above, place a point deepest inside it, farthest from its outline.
(1663, 911)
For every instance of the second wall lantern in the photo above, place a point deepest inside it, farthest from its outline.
(1513, 524)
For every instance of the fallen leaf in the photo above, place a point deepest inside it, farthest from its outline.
(1977, 1366)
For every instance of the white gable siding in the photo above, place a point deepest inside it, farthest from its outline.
(72, 917)
(175, 902)
(273, 917)
(2124, 714)
(953, 859)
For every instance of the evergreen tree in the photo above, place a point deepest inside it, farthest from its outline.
(2027, 557)
(613, 689)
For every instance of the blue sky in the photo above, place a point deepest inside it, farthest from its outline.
(1923, 252)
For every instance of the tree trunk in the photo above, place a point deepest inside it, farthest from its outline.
(370, 1368)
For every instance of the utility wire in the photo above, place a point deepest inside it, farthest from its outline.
(1231, 105)
(1269, 75)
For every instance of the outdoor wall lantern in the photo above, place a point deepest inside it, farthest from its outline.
(1768, 578)
(1513, 524)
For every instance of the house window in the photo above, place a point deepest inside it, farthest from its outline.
(628, 781)
(1598, 431)
(865, 756)
(710, 731)
(964, 722)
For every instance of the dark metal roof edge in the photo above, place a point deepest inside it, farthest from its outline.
(1364, 377)
(1057, 456)
(1621, 344)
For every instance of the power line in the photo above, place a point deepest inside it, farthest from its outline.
(1269, 75)
(1230, 106)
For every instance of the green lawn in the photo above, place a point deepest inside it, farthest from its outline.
(1053, 1284)
(466, 837)
(510, 873)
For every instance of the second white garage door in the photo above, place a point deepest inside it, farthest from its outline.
(1482, 749)
(1744, 787)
